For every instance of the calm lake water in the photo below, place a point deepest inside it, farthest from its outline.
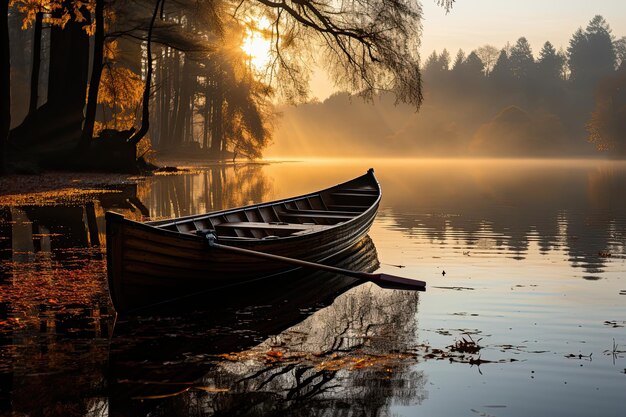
(524, 314)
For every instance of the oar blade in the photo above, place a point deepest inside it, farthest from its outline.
(397, 283)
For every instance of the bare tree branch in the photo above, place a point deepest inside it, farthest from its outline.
(368, 46)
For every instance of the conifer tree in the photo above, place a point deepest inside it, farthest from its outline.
(550, 64)
(591, 53)
(458, 60)
(522, 61)
(501, 73)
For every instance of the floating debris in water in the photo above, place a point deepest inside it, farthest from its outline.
(615, 351)
(579, 356)
(454, 288)
(466, 345)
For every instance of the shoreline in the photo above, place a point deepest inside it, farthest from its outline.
(61, 187)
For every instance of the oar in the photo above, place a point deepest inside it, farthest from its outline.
(382, 280)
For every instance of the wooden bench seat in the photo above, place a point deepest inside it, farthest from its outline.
(295, 227)
(342, 208)
(353, 195)
(298, 215)
(358, 190)
(316, 212)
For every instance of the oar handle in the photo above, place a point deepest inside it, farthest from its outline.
(282, 259)
(383, 280)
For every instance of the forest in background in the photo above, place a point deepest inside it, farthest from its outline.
(507, 102)
(202, 94)
(99, 84)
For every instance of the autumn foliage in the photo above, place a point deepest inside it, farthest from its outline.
(607, 126)
(56, 12)
(119, 93)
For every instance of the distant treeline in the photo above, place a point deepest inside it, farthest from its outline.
(490, 102)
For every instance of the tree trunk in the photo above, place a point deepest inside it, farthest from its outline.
(180, 116)
(69, 63)
(21, 55)
(165, 98)
(205, 115)
(5, 82)
(96, 74)
(155, 133)
(217, 134)
(34, 75)
(145, 115)
(175, 76)
(60, 118)
(189, 123)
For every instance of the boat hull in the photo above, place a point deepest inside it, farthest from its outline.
(147, 263)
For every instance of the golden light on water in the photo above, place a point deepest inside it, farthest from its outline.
(256, 43)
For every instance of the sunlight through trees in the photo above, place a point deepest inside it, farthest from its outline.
(211, 70)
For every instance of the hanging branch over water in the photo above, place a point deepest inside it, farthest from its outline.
(145, 115)
(367, 46)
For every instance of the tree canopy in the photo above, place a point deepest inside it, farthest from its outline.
(488, 54)
(591, 53)
(550, 63)
(521, 59)
(368, 47)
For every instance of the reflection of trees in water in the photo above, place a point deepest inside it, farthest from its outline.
(370, 319)
(54, 339)
(55, 317)
(160, 355)
(578, 211)
(44, 228)
(54, 336)
(207, 190)
(342, 361)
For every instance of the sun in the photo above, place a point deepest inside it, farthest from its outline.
(256, 44)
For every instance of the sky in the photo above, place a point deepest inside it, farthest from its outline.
(473, 23)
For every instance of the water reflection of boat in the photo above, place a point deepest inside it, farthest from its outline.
(155, 260)
(163, 352)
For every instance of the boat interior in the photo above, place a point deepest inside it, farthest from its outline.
(293, 217)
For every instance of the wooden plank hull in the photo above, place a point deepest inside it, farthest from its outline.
(173, 257)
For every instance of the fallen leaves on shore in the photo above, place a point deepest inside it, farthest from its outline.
(57, 187)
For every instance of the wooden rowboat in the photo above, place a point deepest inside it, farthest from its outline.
(152, 261)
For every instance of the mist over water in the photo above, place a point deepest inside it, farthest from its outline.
(472, 125)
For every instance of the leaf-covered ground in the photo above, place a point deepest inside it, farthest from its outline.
(57, 188)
